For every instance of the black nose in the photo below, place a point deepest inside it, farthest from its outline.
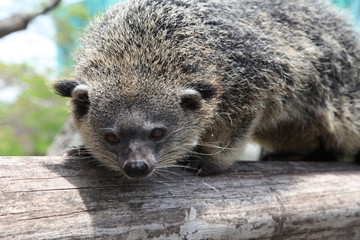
(137, 169)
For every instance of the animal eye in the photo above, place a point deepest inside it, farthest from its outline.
(157, 133)
(111, 138)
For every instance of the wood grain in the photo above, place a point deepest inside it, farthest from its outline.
(53, 198)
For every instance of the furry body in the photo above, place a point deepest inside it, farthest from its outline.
(213, 75)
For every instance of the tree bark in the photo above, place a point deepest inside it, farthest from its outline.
(19, 21)
(53, 198)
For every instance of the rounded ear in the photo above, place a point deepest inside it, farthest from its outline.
(80, 93)
(65, 87)
(80, 100)
(190, 99)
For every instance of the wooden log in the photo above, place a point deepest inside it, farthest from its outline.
(52, 198)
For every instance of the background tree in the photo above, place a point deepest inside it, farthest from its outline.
(29, 123)
(19, 21)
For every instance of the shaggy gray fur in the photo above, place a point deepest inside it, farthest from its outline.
(216, 74)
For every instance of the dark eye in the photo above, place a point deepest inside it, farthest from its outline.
(157, 133)
(111, 138)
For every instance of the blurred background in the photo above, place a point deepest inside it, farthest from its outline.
(34, 54)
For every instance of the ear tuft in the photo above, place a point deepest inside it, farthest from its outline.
(80, 92)
(190, 99)
(80, 99)
(206, 89)
(65, 87)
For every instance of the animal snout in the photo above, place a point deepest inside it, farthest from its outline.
(137, 169)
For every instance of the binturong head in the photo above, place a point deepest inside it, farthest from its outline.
(144, 90)
(136, 134)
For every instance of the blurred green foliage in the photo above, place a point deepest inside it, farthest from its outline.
(70, 22)
(29, 124)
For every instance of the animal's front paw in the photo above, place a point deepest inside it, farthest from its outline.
(200, 166)
(77, 152)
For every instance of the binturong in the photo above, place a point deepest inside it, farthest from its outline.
(157, 82)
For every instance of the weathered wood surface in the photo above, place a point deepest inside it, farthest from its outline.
(50, 198)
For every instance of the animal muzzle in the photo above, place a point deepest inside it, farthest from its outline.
(137, 168)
